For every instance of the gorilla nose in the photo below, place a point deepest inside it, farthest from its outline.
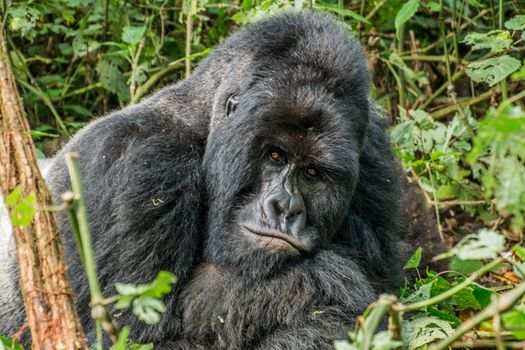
(286, 213)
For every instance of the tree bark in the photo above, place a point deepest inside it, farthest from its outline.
(48, 299)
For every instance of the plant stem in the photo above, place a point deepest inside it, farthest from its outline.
(504, 93)
(400, 45)
(441, 113)
(98, 310)
(373, 320)
(155, 78)
(189, 32)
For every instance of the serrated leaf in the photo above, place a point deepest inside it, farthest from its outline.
(408, 10)
(148, 309)
(465, 299)
(132, 34)
(492, 70)
(485, 245)
(424, 330)
(23, 18)
(516, 23)
(383, 341)
(422, 293)
(495, 40)
(453, 320)
(156, 289)
(414, 260)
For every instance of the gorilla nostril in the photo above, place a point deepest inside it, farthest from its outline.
(279, 211)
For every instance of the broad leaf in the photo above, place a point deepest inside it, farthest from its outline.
(485, 245)
(414, 260)
(408, 10)
(495, 40)
(424, 330)
(492, 70)
(516, 23)
(515, 319)
(132, 34)
(8, 344)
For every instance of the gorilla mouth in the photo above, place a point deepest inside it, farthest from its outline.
(268, 234)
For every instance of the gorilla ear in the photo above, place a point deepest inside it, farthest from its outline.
(231, 104)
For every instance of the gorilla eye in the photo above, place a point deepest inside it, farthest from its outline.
(311, 171)
(277, 156)
(231, 104)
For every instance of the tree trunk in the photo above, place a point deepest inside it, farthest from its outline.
(48, 299)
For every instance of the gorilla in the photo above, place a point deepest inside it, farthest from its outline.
(265, 181)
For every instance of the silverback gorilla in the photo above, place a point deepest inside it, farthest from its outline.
(265, 182)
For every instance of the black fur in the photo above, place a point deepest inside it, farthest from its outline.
(166, 178)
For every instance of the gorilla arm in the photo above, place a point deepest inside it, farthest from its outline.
(142, 182)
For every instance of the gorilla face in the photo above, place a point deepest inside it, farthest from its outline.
(281, 165)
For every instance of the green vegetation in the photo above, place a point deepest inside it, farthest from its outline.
(451, 73)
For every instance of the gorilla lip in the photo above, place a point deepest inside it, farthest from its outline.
(299, 244)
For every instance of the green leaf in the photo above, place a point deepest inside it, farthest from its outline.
(520, 252)
(148, 346)
(13, 197)
(22, 209)
(433, 6)
(485, 245)
(343, 12)
(492, 70)
(22, 214)
(148, 309)
(145, 298)
(23, 19)
(8, 344)
(122, 341)
(414, 260)
(78, 110)
(344, 345)
(515, 318)
(424, 330)
(453, 320)
(422, 293)
(408, 10)
(495, 40)
(481, 293)
(132, 34)
(383, 341)
(516, 23)
(464, 267)
(156, 289)
(465, 299)
(112, 79)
